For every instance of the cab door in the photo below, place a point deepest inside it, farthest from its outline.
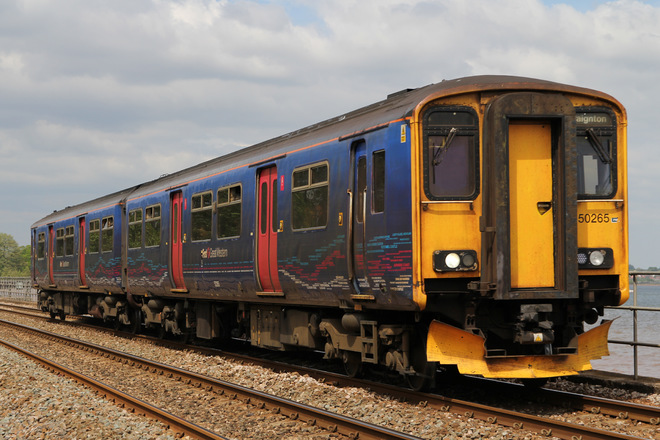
(531, 205)
(529, 191)
(267, 227)
(357, 252)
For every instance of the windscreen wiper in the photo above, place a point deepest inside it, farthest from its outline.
(442, 149)
(602, 153)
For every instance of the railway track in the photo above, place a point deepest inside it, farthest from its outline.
(309, 415)
(489, 413)
(125, 400)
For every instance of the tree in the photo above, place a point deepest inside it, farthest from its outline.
(14, 259)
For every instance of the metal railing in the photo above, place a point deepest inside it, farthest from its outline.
(635, 343)
(18, 288)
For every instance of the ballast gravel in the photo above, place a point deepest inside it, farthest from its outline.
(354, 402)
(37, 404)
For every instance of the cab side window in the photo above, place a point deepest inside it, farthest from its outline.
(451, 160)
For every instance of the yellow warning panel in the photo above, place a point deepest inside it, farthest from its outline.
(452, 346)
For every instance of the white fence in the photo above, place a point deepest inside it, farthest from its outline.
(19, 289)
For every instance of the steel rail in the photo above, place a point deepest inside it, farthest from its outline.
(332, 422)
(602, 405)
(118, 397)
(494, 415)
(581, 402)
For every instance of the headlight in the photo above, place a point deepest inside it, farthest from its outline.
(595, 258)
(452, 260)
(455, 261)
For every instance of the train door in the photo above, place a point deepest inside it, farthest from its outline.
(357, 252)
(267, 230)
(33, 267)
(81, 252)
(176, 241)
(51, 253)
(529, 222)
(530, 205)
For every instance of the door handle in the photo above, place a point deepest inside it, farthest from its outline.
(543, 207)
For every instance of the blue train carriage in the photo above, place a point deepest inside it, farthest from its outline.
(77, 252)
(395, 235)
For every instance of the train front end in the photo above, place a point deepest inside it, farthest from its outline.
(521, 225)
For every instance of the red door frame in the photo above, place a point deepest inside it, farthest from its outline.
(51, 253)
(33, 267)
(267, 227)
(176, 243)
(81, 251)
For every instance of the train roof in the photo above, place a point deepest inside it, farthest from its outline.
(397, 106)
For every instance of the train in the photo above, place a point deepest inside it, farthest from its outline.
(476, 224)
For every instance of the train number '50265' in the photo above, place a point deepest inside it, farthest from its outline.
(594, 218)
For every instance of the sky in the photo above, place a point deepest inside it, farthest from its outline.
(98, 96)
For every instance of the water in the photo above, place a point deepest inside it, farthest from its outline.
(621, 358)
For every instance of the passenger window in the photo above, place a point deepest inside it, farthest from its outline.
(264, 208)
(451, 159)
(202, 216)
(229, 211)
(378, 186)
(107, 234)
(152, 226)
(596, 151)
(94, 236)
(361, 186)
(309, 205)
(135, 228)
(41, 245)
(68, 241)
(274, 206)
(59, 243)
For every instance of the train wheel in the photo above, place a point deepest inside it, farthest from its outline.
(424, 377)
(136, 321)
(352, 363)
(53, 315)
(62, 316)
(161, 331)
(185, 336)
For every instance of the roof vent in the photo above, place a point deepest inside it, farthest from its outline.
(399, 93)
